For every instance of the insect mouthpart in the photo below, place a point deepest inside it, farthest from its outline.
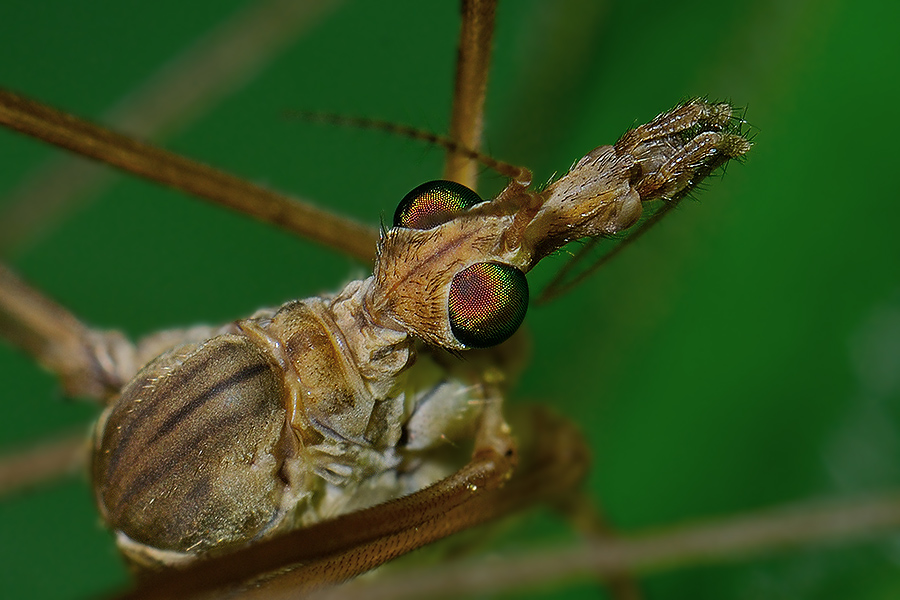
(451, 270)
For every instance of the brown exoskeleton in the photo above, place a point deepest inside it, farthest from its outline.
(528, 233)
(713, 369)
(330, 405)
(321, 408)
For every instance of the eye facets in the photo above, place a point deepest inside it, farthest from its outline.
(433, 203)
(487, 303)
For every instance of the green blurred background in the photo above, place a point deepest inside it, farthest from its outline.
(745, 354)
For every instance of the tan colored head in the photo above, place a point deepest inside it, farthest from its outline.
(450, 270)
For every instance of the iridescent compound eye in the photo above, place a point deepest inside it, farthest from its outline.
(433, 203)
(487, 303)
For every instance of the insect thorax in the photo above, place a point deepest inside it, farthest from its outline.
(281, 420)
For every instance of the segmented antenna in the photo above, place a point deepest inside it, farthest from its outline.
(519, 174)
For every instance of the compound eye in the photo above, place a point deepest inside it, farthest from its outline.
(433, 203)
(487, 303)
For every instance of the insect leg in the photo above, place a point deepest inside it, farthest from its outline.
(158, 165)
(45, 462)
(222, 61)
(90, 363)
(467, 116)
(553, 463)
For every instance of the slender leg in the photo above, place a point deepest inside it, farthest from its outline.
(223, 59)
(91, 364)
(153, 163)
(473, 62)
(334, 551)
(45, 462)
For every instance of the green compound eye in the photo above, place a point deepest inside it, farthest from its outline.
(487, 303)
(433, 203)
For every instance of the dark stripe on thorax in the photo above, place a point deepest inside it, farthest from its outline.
(154, 471)
(127, 440)
(162, 392)
(219, 388)
(151, 473)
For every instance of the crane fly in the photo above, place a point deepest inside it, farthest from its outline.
(233, 298)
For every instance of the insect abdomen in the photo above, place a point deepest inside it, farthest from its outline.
(189, 457)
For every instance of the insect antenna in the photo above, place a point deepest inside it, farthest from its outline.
(519, 174)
